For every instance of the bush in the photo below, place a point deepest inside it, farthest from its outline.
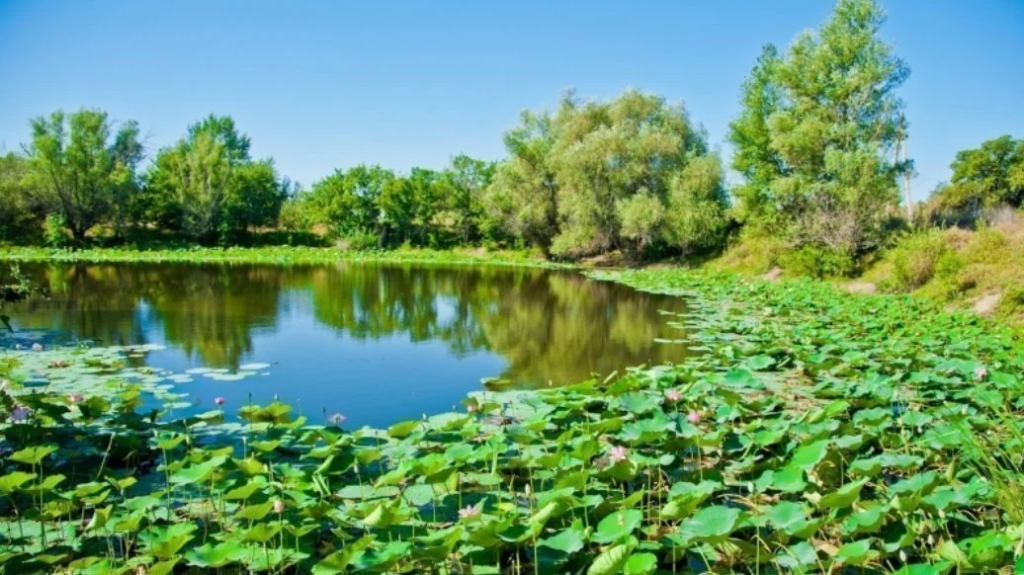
(55, 234)
(360, 241)
(916, 258)
(817, 261)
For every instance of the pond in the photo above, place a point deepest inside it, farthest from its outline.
(378, 343)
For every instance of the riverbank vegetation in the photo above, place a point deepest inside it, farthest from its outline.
(816, 431)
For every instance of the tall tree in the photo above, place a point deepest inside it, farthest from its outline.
(208, 186)
(87, 171)
(223, 130)
(521, 197)
(466, 179)
(816, 137)
(198, 171)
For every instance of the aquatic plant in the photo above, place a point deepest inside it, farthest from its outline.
(833, 432)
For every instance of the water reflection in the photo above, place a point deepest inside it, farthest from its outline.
(540, 326)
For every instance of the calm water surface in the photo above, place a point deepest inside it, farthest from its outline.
(378, 343)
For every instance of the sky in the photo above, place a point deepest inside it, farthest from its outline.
(323, 84)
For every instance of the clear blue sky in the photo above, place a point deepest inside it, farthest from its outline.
(328, 84)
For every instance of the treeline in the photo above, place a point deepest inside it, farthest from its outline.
(818, 146)
(80, 175)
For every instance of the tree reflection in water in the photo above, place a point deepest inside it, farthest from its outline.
(548, 327)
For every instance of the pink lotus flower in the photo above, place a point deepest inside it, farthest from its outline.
(693, 417)
(76, 398)
(472, 408)
(980, 373)
(673, 395)
(618, 454)
(469, 512)
(219, 401)
(278, 506)
(20, 413)
(336, 419)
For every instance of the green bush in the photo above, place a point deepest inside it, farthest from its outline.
(916, 258)
(360, 241)
(817, 261)
(55, 234)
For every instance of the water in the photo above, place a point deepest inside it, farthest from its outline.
(378, 343)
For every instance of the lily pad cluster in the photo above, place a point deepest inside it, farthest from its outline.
(817, 432)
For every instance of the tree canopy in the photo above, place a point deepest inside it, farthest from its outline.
(816, 137)
(86, 169)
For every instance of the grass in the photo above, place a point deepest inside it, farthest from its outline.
(818, 432)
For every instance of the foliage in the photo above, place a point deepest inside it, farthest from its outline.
(816, 136)
(816, 262)
(87, 173)
(984, 177)
(916, 258)
(369, 206)
(208, 187)
(817, 432)
(280, 255)
(601, 176)
(21, 206)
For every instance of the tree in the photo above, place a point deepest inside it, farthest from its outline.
(222, 129)
(206, 185)
(605, 154)
(347, 202)
(754, 157)
(466, 180)
(987, 176)
(521, 197)
(816, 136)
(88, 174)
(197, 172)
(21, 207)
(253, 198)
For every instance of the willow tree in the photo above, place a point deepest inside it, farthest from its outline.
(818, 130)
(521, 197)
(84, 166)
(598, 176)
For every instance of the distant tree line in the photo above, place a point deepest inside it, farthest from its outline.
(817, 146)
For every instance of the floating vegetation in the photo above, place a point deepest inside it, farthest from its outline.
(818, 432)
(281, 255)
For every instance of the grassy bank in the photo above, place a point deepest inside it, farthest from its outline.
(818, 431)
(281, 255)
(972, 270)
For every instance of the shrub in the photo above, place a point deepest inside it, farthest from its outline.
(359, 241)
(817, 261)
(915, 259)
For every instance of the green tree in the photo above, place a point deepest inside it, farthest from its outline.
(223, 130)
(88, 172)
(816, 137)
(21, 207)
(197, 174)
(465, 182)
(206, 185)
(605, 154)
(348, 202)
(987, 176)
(521, 198)
(254, 197)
